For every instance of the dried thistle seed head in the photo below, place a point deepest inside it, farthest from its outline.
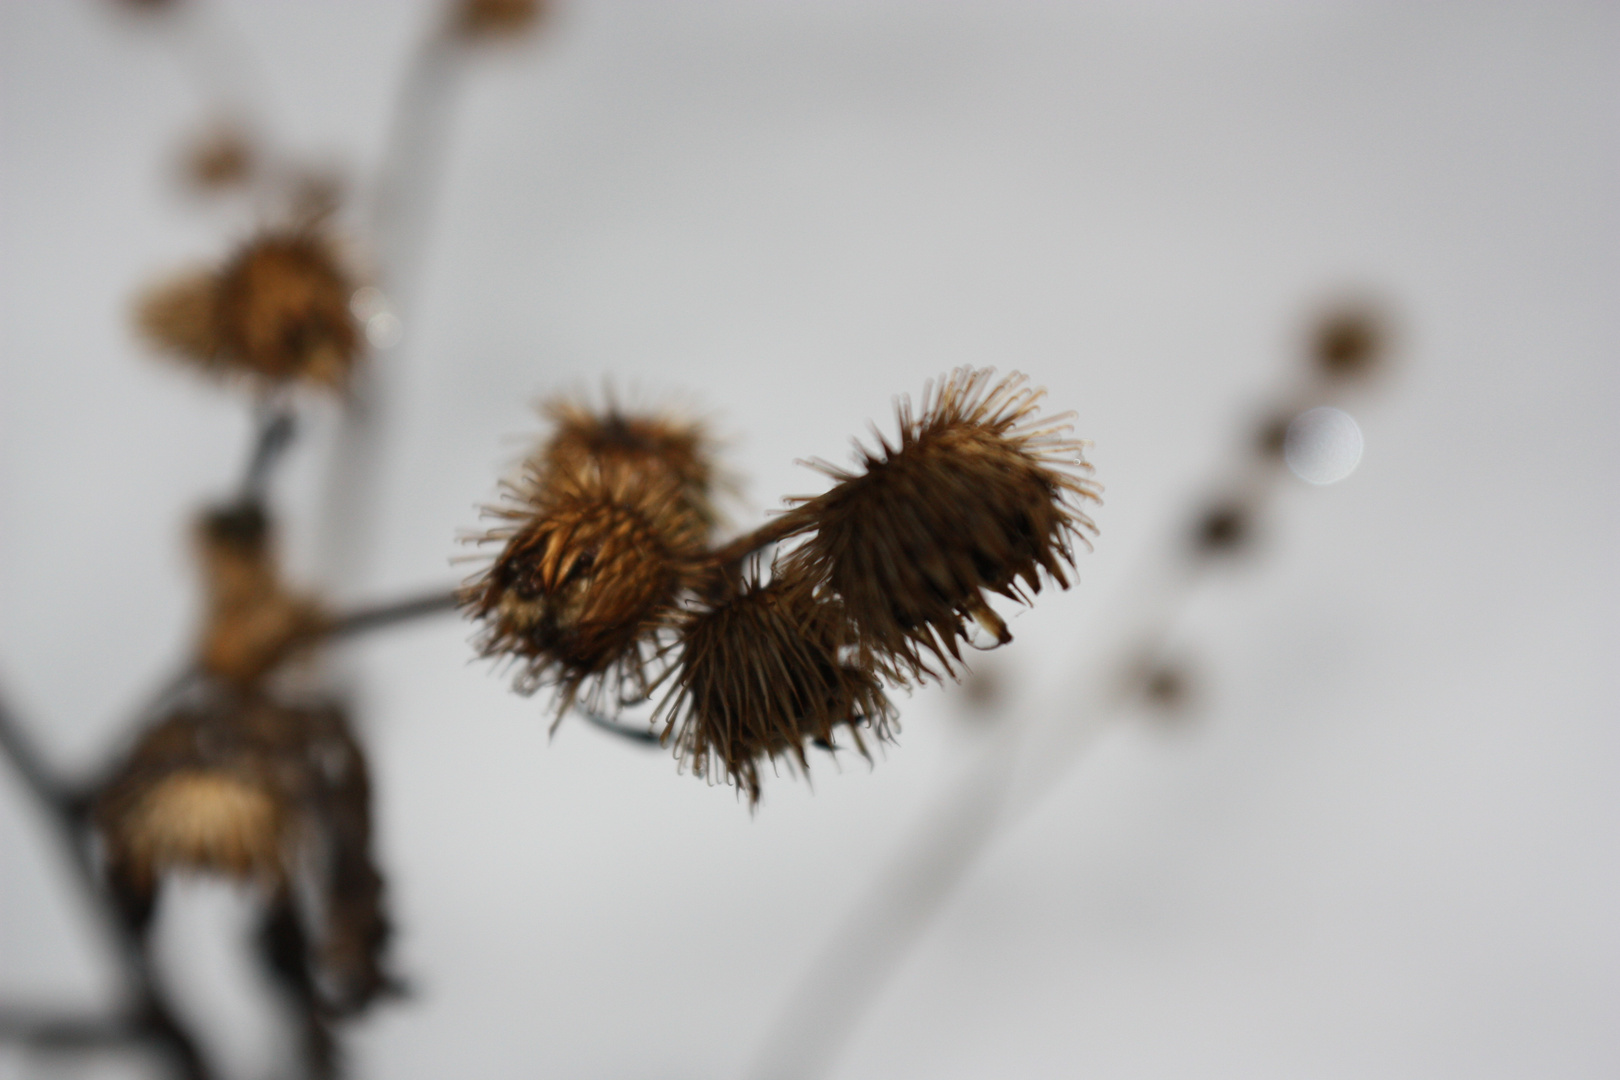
(277, 311)
(976, 495)
(679, 449)
(591, 566)
(484, 20)
(283, 310)
(763, 672)
(248, 787)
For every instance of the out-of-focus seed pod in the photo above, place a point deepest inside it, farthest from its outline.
(763, 672)
(490, 20)
(220, 159)
(1350, 342)
(978, 494)
(277, 312)
(593, 561)
(249, 788)
(251, 622)
(1225, 528)
(284, 310)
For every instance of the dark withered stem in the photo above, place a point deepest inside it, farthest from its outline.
(642, 736)
(391, 613)
(36, 775)
(150, 1019)
(730, 554)
(275, 433)
(43, 1031)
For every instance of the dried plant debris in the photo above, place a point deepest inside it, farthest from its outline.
(276, 312)
(252, 623)
(242, 786)
(220, 159)
(595, 554)
(978, 494)
(1226, 528)
(763, 672)
(491, 20)
(1350, 341)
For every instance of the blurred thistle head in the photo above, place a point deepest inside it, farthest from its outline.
(245, 787)
(277, 312)
(493, 20)
(251, 622)
(1225, 528)
(221, 158)
(202, 790)
(977, 495)
(1350, 341)
(593, 560)
(764, 671)
(679, 449)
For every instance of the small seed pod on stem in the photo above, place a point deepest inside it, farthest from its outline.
(762, 672)
(252, 622)
(977, 495)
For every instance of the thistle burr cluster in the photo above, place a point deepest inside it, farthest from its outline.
(609, 587)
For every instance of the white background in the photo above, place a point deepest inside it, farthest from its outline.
(1386, 844)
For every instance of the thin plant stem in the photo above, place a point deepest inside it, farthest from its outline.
(392, 613)
(774, 531)
(640, 736)
(277, 427)
(150, 1019)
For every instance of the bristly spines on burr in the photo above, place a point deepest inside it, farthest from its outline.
(977, 494)
(654, 443)
(762, 672)
(594, 559)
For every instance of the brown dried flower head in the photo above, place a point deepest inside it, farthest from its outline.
(278, 311)
(250, 788)
(978, 494)
(209, 788)
(763, 672)
(649, 444)
(590, 570)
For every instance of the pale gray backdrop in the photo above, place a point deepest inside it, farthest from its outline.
(1388, 842)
